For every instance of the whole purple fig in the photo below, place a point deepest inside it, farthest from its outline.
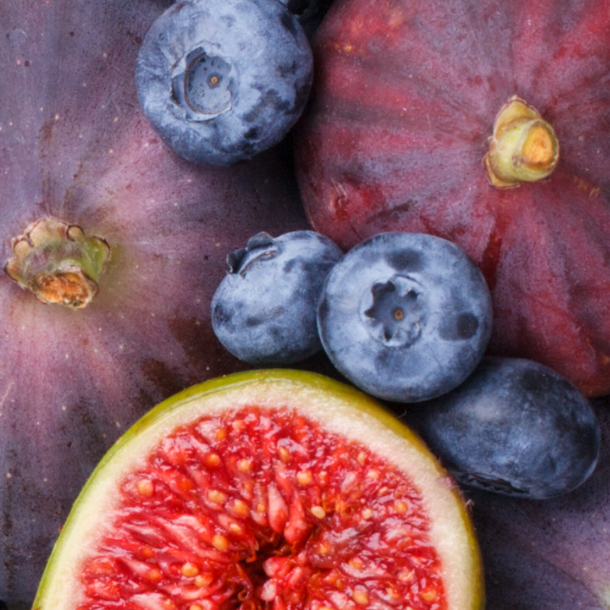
(113, 247)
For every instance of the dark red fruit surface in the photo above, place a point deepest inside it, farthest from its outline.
(403, 108)
(74, 145)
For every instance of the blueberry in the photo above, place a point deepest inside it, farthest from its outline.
(515, 427)
(405, 316)
(309, 12)
(222, 80)
(264, 310)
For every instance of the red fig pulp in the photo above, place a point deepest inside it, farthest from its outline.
(266, 490)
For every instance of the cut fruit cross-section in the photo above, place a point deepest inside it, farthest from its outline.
(269, 489)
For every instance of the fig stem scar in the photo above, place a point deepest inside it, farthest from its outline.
(523, 147)
(58, 262)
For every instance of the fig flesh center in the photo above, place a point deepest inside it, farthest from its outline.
(58, 263)
(265, 509)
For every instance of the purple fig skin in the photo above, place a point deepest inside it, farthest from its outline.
(75, 145)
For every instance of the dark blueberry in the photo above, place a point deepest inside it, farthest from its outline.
(222, 80)
(264, 310)
(513, 427)
(309, 12)
(405, 316)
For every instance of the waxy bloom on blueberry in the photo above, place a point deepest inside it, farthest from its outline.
(405, 316)
(264, 310)
(515, 427)
(222, 80)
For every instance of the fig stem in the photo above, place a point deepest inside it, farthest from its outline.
(523, 147)
(58, 262)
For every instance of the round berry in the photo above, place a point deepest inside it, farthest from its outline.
(514, 427)
(264, 310)
(222, 80)
(405, 316)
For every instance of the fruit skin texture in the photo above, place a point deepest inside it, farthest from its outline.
(405, 99)
(551, 554)
(405, 316)
(514, 427)
(337, 407)
(76, 146)
(264, 310)
(261, 63)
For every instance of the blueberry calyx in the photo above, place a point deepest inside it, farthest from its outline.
(405, 316)
(394, 311)
(261, 246)
(203, 85)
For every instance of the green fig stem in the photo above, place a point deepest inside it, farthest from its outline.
(58, 263)
(523, 147)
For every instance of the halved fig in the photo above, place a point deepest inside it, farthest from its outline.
(269, 489)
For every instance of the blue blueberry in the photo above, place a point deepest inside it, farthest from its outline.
(514, 427)
(405, 316)
(222, 80)
(264, 310)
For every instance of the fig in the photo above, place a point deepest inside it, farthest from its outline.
(488, 124)
(270, 489)
(125, 241)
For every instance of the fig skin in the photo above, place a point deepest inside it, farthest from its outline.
(76, 146)
(404, 102)
(112, 194)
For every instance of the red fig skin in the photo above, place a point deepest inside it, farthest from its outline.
(403, 106)
(75, 146)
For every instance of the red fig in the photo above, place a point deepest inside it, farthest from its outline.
(486, 123)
